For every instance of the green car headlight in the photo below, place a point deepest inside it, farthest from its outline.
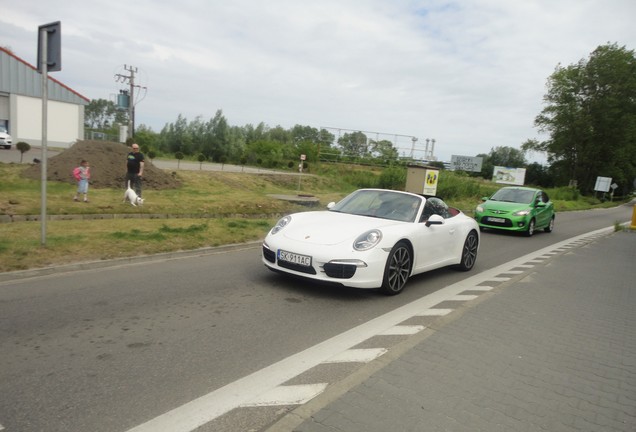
(479, 209)
(522, 212)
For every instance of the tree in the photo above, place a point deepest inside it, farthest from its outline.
(23, 147)
(145, 137)
(179, 156)
(501, 156)
(384, 150)
(103, 114)
(590, 117)
(538, 175)
(201, 158)
(354, 144)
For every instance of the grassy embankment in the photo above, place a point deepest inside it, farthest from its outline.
(210, 209)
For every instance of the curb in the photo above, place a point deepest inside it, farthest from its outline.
(92, 265)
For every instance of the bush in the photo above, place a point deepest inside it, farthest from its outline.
(565, 193)
(393, 178)
(452, 185)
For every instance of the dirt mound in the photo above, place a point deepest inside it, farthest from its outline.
(108, 166)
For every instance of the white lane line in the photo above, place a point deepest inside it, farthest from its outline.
(480, 288)
(435, 312)
(402, 330)
(499, 278)
(288, 395)
(462, 297)
(204, 409)
(362, 355)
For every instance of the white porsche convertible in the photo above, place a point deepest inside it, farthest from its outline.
(373, 238)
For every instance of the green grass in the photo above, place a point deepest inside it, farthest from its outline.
(210, 209)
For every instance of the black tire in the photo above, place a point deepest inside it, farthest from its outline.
(530, 230)
(550, 226)
(397, 269)
(469, 252)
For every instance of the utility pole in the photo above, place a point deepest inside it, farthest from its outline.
(130, 79)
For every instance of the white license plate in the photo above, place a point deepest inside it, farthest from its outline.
(294, 258)
(496, 220)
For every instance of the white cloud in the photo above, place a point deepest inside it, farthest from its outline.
(470, 74)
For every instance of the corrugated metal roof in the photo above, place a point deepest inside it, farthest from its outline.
(19, 77)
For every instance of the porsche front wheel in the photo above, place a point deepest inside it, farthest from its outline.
(469, 252)
(397, 269)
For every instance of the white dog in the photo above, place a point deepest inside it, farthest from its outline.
(131, 195)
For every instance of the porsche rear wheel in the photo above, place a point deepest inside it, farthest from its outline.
(397, 269)
(469, 252)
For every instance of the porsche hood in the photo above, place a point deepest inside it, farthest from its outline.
(331, 228)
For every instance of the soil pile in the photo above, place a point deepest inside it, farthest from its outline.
(108, 166)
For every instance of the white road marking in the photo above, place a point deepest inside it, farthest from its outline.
(287, 395)
(435, 312)
(462, 297)
(481, 288)
(402, 330)
(357, 355)
(499, 279)
(206, 408)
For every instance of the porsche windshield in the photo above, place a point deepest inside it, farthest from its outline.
(381, 204)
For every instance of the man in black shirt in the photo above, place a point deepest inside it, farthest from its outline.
(135, 169)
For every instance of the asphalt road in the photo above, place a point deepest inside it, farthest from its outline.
(109, 349)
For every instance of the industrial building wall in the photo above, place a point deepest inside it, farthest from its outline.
(4, 111)
(65, 122)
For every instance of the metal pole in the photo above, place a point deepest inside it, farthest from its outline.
(131, 106)
(43, 162)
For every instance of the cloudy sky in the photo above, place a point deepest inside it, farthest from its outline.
(470, 74)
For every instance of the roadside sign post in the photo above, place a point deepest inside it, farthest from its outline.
(49, 58)
(613, 186)
(300, 170)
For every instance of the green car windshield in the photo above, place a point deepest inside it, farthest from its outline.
(514, 195)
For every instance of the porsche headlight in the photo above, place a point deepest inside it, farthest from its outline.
(367, 240)
(521, 212)
(282, 223)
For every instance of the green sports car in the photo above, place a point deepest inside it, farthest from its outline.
(516, 209)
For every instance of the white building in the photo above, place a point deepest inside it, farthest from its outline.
(21, 105)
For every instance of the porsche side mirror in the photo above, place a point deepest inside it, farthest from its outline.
(330, 205)
(435, 220)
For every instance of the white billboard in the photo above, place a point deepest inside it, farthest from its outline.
(507, 175)
(602, 184)
(466, 163)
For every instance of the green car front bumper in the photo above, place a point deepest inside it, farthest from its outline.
(503, 222)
